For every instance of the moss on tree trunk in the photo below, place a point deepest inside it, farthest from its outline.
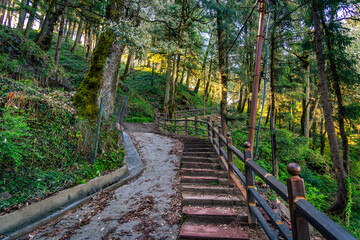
(87, 95)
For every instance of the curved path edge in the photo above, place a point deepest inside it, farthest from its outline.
(18, 223)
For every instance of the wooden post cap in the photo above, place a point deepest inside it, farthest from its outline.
(294, 169)
(247, 145)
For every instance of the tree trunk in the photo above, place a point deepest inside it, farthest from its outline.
(31, 18)
(322, 137)
(307, 104)
(22, 15)
(86, 30)
(89, 42)
(222, 69)
(273, 104)
(238, 108)
(188, 78)
(196, 90)
(3, 12)
(341, 111)
(10, 13)
(61, 33)
(167, 84)
(78, 36)
(182, 76)
(127, 66)
(73, 31)
(44, 25)
(86, 97)
(152, 74)
(341, 197)
(108, 89)
(313, 112)
(46, 34)
(69, 30)
(173, 80)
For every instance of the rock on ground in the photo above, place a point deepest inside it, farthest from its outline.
(146, 208)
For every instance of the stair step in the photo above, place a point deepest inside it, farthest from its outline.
(199, 159)
(221, 215)
(202, 172)
(209, 190)
(192, 231)
(200, 154)
(200, 165)
(205, 180)
(194, 150)
(197, 145)
(212, 200)
(196, 179)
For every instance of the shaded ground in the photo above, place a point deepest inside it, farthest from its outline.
(146, 208)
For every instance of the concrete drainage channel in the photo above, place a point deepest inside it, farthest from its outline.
(18, 223)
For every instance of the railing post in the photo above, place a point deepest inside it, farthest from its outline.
(208, 127)
(229, 152)
(196, 125)
(213, 132)
(167, 122)
(186, 125)
(249, 176)
(220, 141)
(155, 117)
(175, 122)
(296, 191)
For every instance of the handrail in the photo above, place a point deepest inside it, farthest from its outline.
(301, 211)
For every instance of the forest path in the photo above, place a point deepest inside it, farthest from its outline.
(145, 208)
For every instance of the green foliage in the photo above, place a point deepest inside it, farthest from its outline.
(108, 161)
(144, 96)
(290, 148)
(44, 148)
(21, 57)
(139, 119)
(15, 135)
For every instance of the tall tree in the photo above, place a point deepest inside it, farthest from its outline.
(222, 54)
(341, 197)
(31, 19)
(60, 37)
(22, 15)
(53, 13)
(78, 35)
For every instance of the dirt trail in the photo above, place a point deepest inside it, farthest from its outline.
(146, 208)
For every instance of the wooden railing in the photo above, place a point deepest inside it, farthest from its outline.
(302, 213)
(191, 112)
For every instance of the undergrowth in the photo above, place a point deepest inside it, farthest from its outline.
(44, 147)
(316, 170)
(147, 93)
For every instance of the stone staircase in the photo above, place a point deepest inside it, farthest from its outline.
(212, 208)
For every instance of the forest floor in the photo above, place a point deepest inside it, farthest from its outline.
(145, 208)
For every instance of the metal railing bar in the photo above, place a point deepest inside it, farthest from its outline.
(216, 142)
(275, 219)
(264, 224)
(238, 173)
(273, 182)
(223, 139)
(327, 227)
(224, 154)
(237, 153)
